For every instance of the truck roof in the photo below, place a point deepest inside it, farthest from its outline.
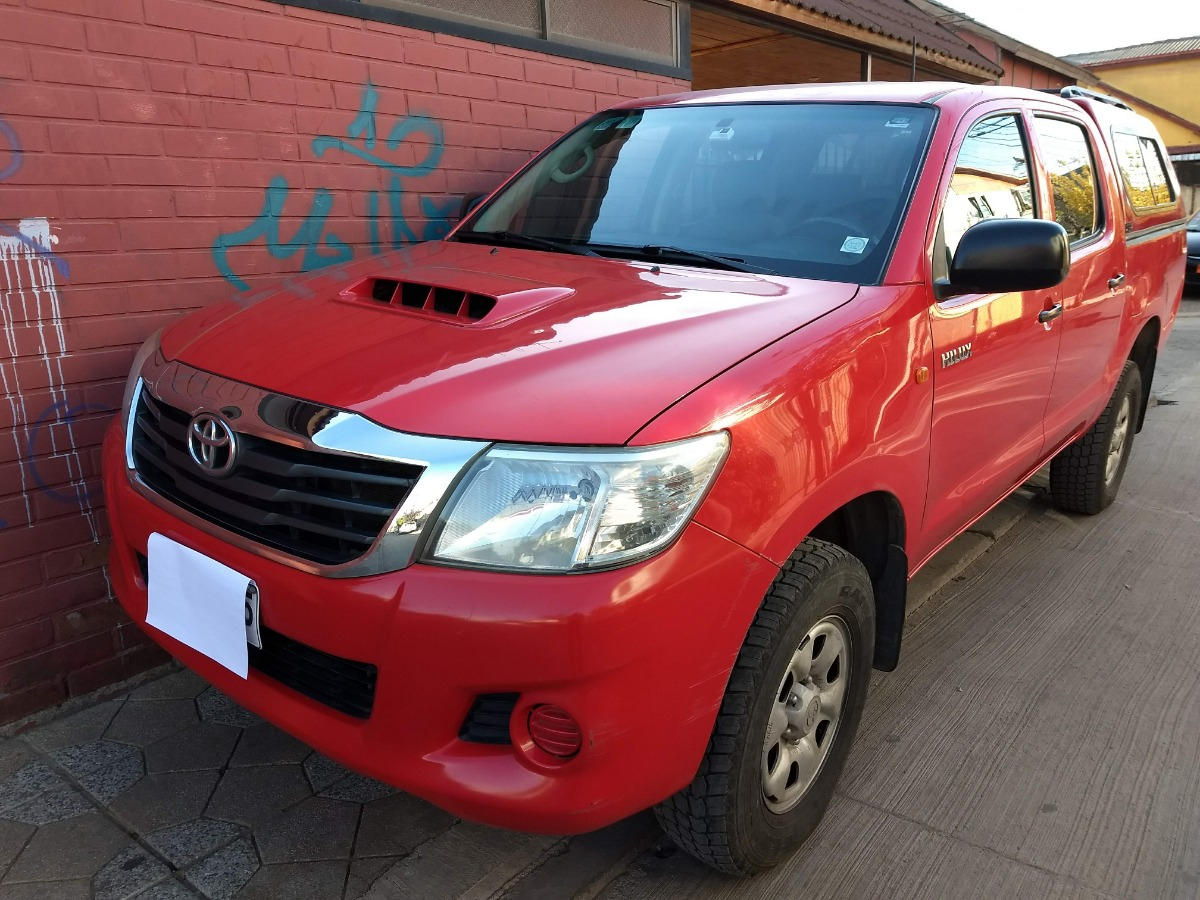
(846, 92)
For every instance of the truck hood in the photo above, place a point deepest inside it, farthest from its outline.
(499, 343)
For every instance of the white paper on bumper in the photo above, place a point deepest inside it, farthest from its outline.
(198, 601)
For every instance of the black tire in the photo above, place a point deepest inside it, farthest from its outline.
(1086, 475)
(724, 817)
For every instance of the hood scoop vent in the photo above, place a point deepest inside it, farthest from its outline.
(447, 304)
(454, 296)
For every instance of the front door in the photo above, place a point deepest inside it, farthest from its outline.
(993, 359)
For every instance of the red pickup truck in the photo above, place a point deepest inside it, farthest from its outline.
(610, 499)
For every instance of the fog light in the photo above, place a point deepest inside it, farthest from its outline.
(554, 731)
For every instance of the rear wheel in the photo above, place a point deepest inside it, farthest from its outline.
(787, 719)
(1085, 476)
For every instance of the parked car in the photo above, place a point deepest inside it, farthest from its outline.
(610, 499)
(1192, 279)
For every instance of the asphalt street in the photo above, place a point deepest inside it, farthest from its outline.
(1182, 354)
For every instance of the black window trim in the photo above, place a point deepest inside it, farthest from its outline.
(1101, 207)
(362, 10)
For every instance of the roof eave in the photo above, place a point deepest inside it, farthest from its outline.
(871, 38)
(1141, 60)
(1011, 44)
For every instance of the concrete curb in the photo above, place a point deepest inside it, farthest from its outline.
(86, 701)
(966, 549)
(585, 865)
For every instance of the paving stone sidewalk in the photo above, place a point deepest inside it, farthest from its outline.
(174, 791)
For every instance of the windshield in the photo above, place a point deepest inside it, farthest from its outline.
(1194, 222)
(809, 190)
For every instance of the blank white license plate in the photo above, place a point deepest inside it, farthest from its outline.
(202, 603)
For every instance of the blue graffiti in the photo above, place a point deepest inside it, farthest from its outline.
(9, 135)
(320, 246)
(53, 414)
(308, 237)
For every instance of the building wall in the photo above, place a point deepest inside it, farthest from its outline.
(156, 155)
(1190, 189)
(1170, 84)
(1018, 71)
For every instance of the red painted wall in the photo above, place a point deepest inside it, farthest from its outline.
(1018, 71)
(156, 155)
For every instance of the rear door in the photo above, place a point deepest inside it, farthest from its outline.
(993, 363)
(1084, 201)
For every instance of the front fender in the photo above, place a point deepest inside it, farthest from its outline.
(823, 416)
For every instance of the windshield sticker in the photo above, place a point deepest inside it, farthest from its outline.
(629, 120)
(723, 131)
(898, 122)
(855, 244)
(721, 134)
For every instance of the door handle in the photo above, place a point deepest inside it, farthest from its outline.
(1116, 281)
(1049, 315)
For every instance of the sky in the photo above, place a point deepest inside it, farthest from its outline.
(1062, 27)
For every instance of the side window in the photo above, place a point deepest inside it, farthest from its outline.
(990, 181)
(1142, 171)
(1071, 166)
(1157, 171)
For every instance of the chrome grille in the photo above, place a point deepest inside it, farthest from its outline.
(326, 508)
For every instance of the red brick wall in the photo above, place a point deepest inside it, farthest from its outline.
(138, 141)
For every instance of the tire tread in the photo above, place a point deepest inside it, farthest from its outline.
(696, 817)
(1077, 472)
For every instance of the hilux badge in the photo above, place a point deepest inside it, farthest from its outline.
(957, 355)
(211, 444)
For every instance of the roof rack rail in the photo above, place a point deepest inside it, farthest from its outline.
(1073, 90)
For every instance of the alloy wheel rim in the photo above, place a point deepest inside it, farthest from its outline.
(805, 714)
(1116, 445)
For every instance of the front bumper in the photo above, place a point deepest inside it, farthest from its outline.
(639, 656)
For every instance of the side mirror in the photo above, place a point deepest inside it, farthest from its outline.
(1001, 255)
(469, 202)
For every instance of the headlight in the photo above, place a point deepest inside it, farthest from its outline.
(148, 349)
(548, 509)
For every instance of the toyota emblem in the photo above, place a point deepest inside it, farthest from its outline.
(212, 444)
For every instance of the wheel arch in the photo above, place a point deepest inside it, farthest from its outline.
(872, 528)
(1145, 353)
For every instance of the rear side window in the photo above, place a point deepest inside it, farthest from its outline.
(1070, 163)
(1142, 171)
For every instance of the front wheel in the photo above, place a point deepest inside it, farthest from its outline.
(787, 720)
(1086, 475)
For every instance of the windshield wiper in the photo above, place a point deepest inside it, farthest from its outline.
(527, 240)
(657, 251)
